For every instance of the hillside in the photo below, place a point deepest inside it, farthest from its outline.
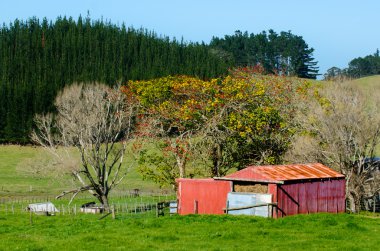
(29, 171)
(368, 83)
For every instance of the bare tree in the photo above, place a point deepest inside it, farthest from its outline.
(97, 121)
(342, 130)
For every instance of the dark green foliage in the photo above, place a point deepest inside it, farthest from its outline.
(360, 67)
(157, 167)
(357, 68)
(284, 53)
(38, 58)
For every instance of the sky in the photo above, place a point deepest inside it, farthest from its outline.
(338, 30)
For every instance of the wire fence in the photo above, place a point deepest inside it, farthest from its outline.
(134, 194)
(128, 204)
(371, 205)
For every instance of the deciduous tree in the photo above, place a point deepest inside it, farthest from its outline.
(97, 120)
(342, 130)
(245, 118)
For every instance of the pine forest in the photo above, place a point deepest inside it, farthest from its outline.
(38, 58)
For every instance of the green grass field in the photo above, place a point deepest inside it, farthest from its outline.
(15, 178)
(19, 177)
(368, 83)
(193, 232)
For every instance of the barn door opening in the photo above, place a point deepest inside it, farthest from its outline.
(258, 204)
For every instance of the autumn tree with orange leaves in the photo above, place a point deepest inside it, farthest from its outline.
(244, 118)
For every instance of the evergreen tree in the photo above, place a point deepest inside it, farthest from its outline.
(358, 67)
(283, 53)
(39, 58)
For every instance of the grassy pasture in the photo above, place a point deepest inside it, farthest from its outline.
(13, 179)
(368, 83)
(193, 232)
(18, 165)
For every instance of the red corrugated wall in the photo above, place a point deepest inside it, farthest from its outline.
(208, 195)
(311, 197)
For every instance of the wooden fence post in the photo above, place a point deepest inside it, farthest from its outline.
(195, 207)
(113, 212)
(374, 204)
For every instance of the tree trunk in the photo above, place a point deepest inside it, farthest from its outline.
(181, 166)
(351, 203)
(104, 201)
(354, 203)
(216, 159)
(357, 205)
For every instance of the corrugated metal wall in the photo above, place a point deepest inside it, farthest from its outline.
(311, 197)
(203, 196)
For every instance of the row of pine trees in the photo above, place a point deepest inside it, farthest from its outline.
(37, 59)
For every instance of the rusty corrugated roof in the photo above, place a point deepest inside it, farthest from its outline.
(278, 173)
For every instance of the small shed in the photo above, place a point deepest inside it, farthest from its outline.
(292, 189)
(44, 208)
(91, 208)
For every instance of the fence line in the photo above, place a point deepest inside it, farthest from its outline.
(120, 209)
(120, 196)
(143, 204)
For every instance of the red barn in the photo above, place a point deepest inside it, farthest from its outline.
(282, 189)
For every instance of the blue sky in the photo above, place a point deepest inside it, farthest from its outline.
(338, 30)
